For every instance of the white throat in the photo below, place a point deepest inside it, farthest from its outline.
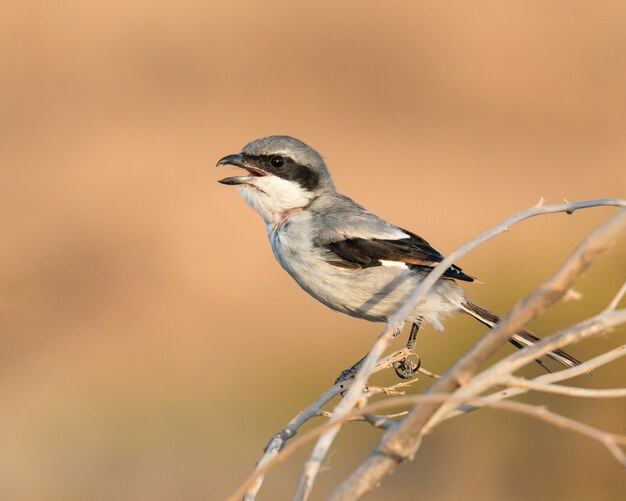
(272, 197)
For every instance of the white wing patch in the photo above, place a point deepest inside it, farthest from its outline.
(393, 264)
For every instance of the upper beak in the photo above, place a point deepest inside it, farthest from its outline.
(238, 161)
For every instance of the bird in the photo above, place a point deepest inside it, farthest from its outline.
(345, 256)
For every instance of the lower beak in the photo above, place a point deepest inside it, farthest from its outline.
(234, 180)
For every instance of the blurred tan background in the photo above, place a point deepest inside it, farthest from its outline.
(150, 343)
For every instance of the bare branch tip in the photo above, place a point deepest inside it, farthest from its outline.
(618, 297)
(426, 372)
(572, 295)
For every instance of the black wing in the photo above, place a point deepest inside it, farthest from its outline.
(414, 251)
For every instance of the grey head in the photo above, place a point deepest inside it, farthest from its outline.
(282, 156)
(283, 173)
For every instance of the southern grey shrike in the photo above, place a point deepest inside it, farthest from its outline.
(343, 255)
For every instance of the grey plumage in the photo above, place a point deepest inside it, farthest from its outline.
(373, 293)
(340, 253)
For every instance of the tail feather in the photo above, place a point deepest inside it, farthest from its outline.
(521, 338)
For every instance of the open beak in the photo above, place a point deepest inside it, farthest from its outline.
(238, 161)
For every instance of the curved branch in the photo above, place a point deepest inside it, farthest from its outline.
(562, 375)
(500, 373)
(278, 441)
(569, 391)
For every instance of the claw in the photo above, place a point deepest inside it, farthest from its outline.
(407, 367)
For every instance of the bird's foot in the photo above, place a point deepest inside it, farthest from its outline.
(407, 368)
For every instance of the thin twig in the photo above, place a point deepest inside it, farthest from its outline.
(501, 372)
(375, 420)
(393, 389)
(297, 441)
(618, 297)
(351, 398)
(301, 440)
(562, 375)
(611, 441)
(426, 372)
(569, 391)
(278, 441)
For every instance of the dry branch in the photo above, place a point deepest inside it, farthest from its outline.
(562, 375)
(475, 403)
(314, 409)
(567, 390)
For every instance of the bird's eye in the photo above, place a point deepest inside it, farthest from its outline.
(277, 161)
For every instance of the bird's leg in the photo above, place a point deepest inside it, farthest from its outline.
(408, 367)
(351, 372)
